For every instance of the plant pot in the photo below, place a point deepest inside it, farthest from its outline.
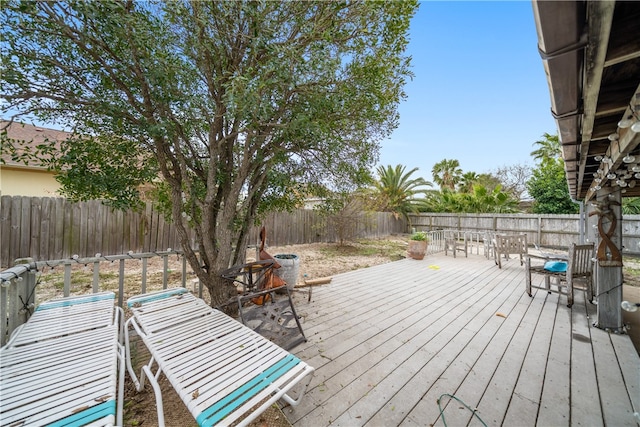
(417, 249)
(290, 265)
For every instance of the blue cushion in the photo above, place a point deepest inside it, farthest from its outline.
(555, 266)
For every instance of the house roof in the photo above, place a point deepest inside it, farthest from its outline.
(29, 136)
(591, 55)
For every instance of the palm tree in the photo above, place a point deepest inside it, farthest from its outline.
(467, 181)
(548, 148)
(397, 191)
(447, 174)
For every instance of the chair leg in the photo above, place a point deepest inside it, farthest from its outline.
(569, 292)
(527, 277)
(157, 391)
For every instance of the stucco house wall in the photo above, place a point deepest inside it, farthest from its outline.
(18, 179)
(27, 182)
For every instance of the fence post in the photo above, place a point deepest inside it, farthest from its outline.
(23, 290)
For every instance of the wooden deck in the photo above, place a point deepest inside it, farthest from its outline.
(389, 340)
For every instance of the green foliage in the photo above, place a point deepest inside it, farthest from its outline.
(106, 167)
(548, 187)
(480, 200)
(631, 205)
(238, 107)
(447, 174)
(467, 181)
(395, 191)
(549, 148)
(419, 236)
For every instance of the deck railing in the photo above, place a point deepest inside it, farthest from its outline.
(18, 284)
(475, 240)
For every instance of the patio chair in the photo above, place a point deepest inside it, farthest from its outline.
(566, 270)
(488, 243)
(224, 372)
(455, 241)
(505, 245)
(65, 366)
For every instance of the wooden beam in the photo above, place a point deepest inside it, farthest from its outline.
(600, 18)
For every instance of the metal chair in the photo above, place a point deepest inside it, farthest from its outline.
(579, 268)
(267, 309)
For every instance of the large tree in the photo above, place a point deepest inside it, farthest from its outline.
(514, 179)
(548, 182)
(549, 189)
(397, 192)
(239, 107)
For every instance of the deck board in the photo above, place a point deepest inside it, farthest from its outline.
(388, 341)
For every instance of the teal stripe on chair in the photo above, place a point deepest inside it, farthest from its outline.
(222, 408)
(75, 301)
(155, 297)
(87, 416)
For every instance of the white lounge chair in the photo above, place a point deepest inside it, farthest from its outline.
(223, 371)
(61, 367)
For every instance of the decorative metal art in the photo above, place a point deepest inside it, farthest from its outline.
(608, 254)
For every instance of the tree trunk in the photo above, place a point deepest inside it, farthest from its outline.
(220, 290)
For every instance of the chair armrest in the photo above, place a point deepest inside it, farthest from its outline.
(559, 257)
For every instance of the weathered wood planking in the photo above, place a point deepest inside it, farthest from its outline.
(389, 340)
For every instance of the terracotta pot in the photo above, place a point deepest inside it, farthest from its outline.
(417, 249)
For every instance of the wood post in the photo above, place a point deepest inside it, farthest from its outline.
(608, 274)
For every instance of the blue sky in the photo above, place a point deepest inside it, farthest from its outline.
(479, 94)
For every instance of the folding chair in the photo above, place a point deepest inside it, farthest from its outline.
(223, 371)
(261, 309)
(65, 366)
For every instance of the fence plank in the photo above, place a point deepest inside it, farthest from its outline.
(36, 224)
(25, 224)
(57, 244)
(5, 226)
(16, 209)
(45, 228)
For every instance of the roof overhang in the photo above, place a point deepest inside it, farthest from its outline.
(591, 56)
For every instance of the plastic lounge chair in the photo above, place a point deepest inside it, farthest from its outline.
(223, 371)
(65, 366)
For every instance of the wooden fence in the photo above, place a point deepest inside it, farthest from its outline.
(55, 228)
(551, 231)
